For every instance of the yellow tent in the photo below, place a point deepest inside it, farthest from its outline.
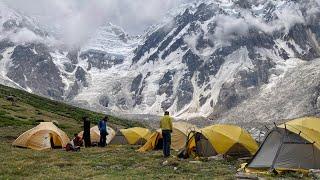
(41, 137)
(95, 134)
(153, 142)
(222, 139)
(133, 136)
(292, 146)
(308, 127)
(179, 137)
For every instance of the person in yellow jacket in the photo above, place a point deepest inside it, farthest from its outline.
(166, 128)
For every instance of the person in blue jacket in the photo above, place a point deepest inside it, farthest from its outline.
(103, 131)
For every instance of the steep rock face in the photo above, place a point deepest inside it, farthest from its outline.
(4, 44)
(101, 59)
(292, 95)
(219, 66)
(166, 86)
(33, 60)
(32, 68)
(211, 58)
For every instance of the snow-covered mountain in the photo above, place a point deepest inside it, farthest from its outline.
(230, 60)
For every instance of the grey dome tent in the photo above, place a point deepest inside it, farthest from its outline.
(284, 150)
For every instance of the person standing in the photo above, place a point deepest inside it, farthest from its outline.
(86, 132)
(166, 128)
(103, 131)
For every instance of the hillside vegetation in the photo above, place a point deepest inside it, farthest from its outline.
(31, 109)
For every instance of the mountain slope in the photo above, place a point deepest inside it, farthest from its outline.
(293, 95)
(214, 59)
(211, 58)
(31, 109)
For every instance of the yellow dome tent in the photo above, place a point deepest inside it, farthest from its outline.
(95, 134)
(310, 126)
(221, 139)
(133, 136)
(179, 137)
(292, 146)
(41, 137)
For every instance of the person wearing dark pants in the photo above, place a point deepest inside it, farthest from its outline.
(103, 139)
(166, 135)
(86, 132)
(103, 131)
(166, 128)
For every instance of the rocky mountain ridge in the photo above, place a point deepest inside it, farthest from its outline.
(232, 61)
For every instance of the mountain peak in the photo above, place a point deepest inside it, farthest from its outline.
(212, 58)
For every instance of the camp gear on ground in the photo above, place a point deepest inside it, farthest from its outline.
(72, 147)
(133, 136)
(180, 131)
(43, 136)
(77, 141)
(293, 146)
(95, 135)
(221, 139)
(166, 123)
(86, 132)
(166, 134)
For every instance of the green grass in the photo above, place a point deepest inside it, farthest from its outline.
(31, 109)
(113, 162)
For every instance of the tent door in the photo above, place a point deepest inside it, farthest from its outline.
(55, 141)
(203, 146)
(238, 150)
(119, 139)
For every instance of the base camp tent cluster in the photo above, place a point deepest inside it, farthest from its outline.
(209, 141)
(179, 136)
(44, 136)
(293, 146)
(47, 135)
(95, 134)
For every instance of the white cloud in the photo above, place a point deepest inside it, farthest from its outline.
(289, 16)
(231, 26)
(228, 27)
(24, 35)
(76, 19)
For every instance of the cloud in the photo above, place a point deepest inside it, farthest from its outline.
(75, 20)
(289, 16)
(228, 27)
(231, 26)
(24, 35)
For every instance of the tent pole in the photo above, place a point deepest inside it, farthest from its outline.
(275, 124)
(314, 157)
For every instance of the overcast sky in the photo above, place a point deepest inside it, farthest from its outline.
(133, 15)
(75, 20)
